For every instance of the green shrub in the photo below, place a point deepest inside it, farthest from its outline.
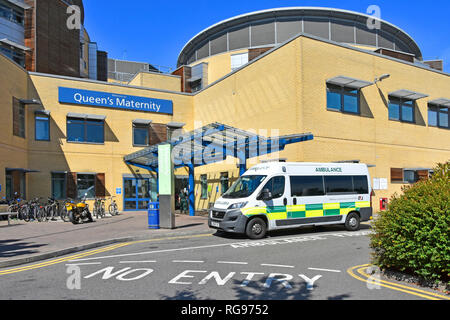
(412, 236)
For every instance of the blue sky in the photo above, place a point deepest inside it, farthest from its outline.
(155, 31)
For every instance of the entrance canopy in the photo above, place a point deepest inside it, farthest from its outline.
(212, 144)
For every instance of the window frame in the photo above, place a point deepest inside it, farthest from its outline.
(47, 119)
(53, 179)
(141, 127)
(343, 91)
(438, 110)
(401, 103)
(94, 175)
(21, 118)
(85, 123)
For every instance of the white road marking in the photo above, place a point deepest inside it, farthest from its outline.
(232, 262)
(83, 264)
(131, 262)
(244, 244)
(326, 270)
(151, 252)
(276, 265)
(187, 261)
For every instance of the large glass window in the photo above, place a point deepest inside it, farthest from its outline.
(401, 110)
(342, 99)
(360, 184)
(438, 116)
(86, 186)
(42, 127)
(85, 130)
(276, 187)
(140, 135)
(307, 186)
(59, 183)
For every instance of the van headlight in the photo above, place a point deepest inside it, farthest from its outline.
(237, 205)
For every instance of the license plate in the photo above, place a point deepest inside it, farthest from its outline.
(215, 224)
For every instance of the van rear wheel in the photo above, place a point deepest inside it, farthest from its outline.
(353, 222)
(256, 229)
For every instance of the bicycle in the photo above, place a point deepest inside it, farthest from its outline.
(99, 208)
(51, 209)
(113, 209)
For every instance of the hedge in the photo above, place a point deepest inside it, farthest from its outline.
(412, 236)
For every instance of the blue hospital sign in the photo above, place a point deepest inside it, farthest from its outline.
(112, 100)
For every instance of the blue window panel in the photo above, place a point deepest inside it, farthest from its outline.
(351, 104)
(333, 101)
(432, 118)
(394, 111)
(75, 131)
(407, 113)
(95, 133)
(42, 128)
(140, 136)
(443, 117)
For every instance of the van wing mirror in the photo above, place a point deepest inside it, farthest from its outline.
(265, 195)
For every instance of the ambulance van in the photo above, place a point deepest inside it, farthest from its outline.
(277, 195)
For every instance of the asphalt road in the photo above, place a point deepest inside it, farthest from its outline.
(306, 264)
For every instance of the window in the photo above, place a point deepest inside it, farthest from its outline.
(244, 187)
(403, 176)
(18, 118)
(307, 186)
(140, 135)
(238, 60)
(276, 187)
(11, 14)
(361, 184)
(401, 110)
(86, 185)
(438, 116)
(16, 55)
(342, 99)
(59, 183)
(224, 182)
(85, 130)
(42, 127)
(204, 186)
(339, 184)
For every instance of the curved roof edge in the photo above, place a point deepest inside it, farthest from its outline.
(284, 9)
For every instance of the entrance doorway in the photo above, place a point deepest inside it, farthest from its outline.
(181, 184)
(138, 193)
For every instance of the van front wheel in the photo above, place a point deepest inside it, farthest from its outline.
(353, 222)
(256, 229)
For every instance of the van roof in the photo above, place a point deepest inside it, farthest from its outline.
(278, 166)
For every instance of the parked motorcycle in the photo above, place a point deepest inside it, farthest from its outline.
(79, 212)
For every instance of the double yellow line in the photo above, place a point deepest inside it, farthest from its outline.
(90, 253)
(361, 270)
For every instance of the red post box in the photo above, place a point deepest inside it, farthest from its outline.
(383, 204)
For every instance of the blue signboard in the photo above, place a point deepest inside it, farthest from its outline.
(112, 100)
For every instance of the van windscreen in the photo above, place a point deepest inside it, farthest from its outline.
(244, 187)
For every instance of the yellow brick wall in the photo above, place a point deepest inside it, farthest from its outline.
(59, 155)
(219, 65)
(157, 81)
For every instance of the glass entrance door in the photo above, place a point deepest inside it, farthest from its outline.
(138, 193)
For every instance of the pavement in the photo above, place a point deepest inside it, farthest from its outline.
(23, 243)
